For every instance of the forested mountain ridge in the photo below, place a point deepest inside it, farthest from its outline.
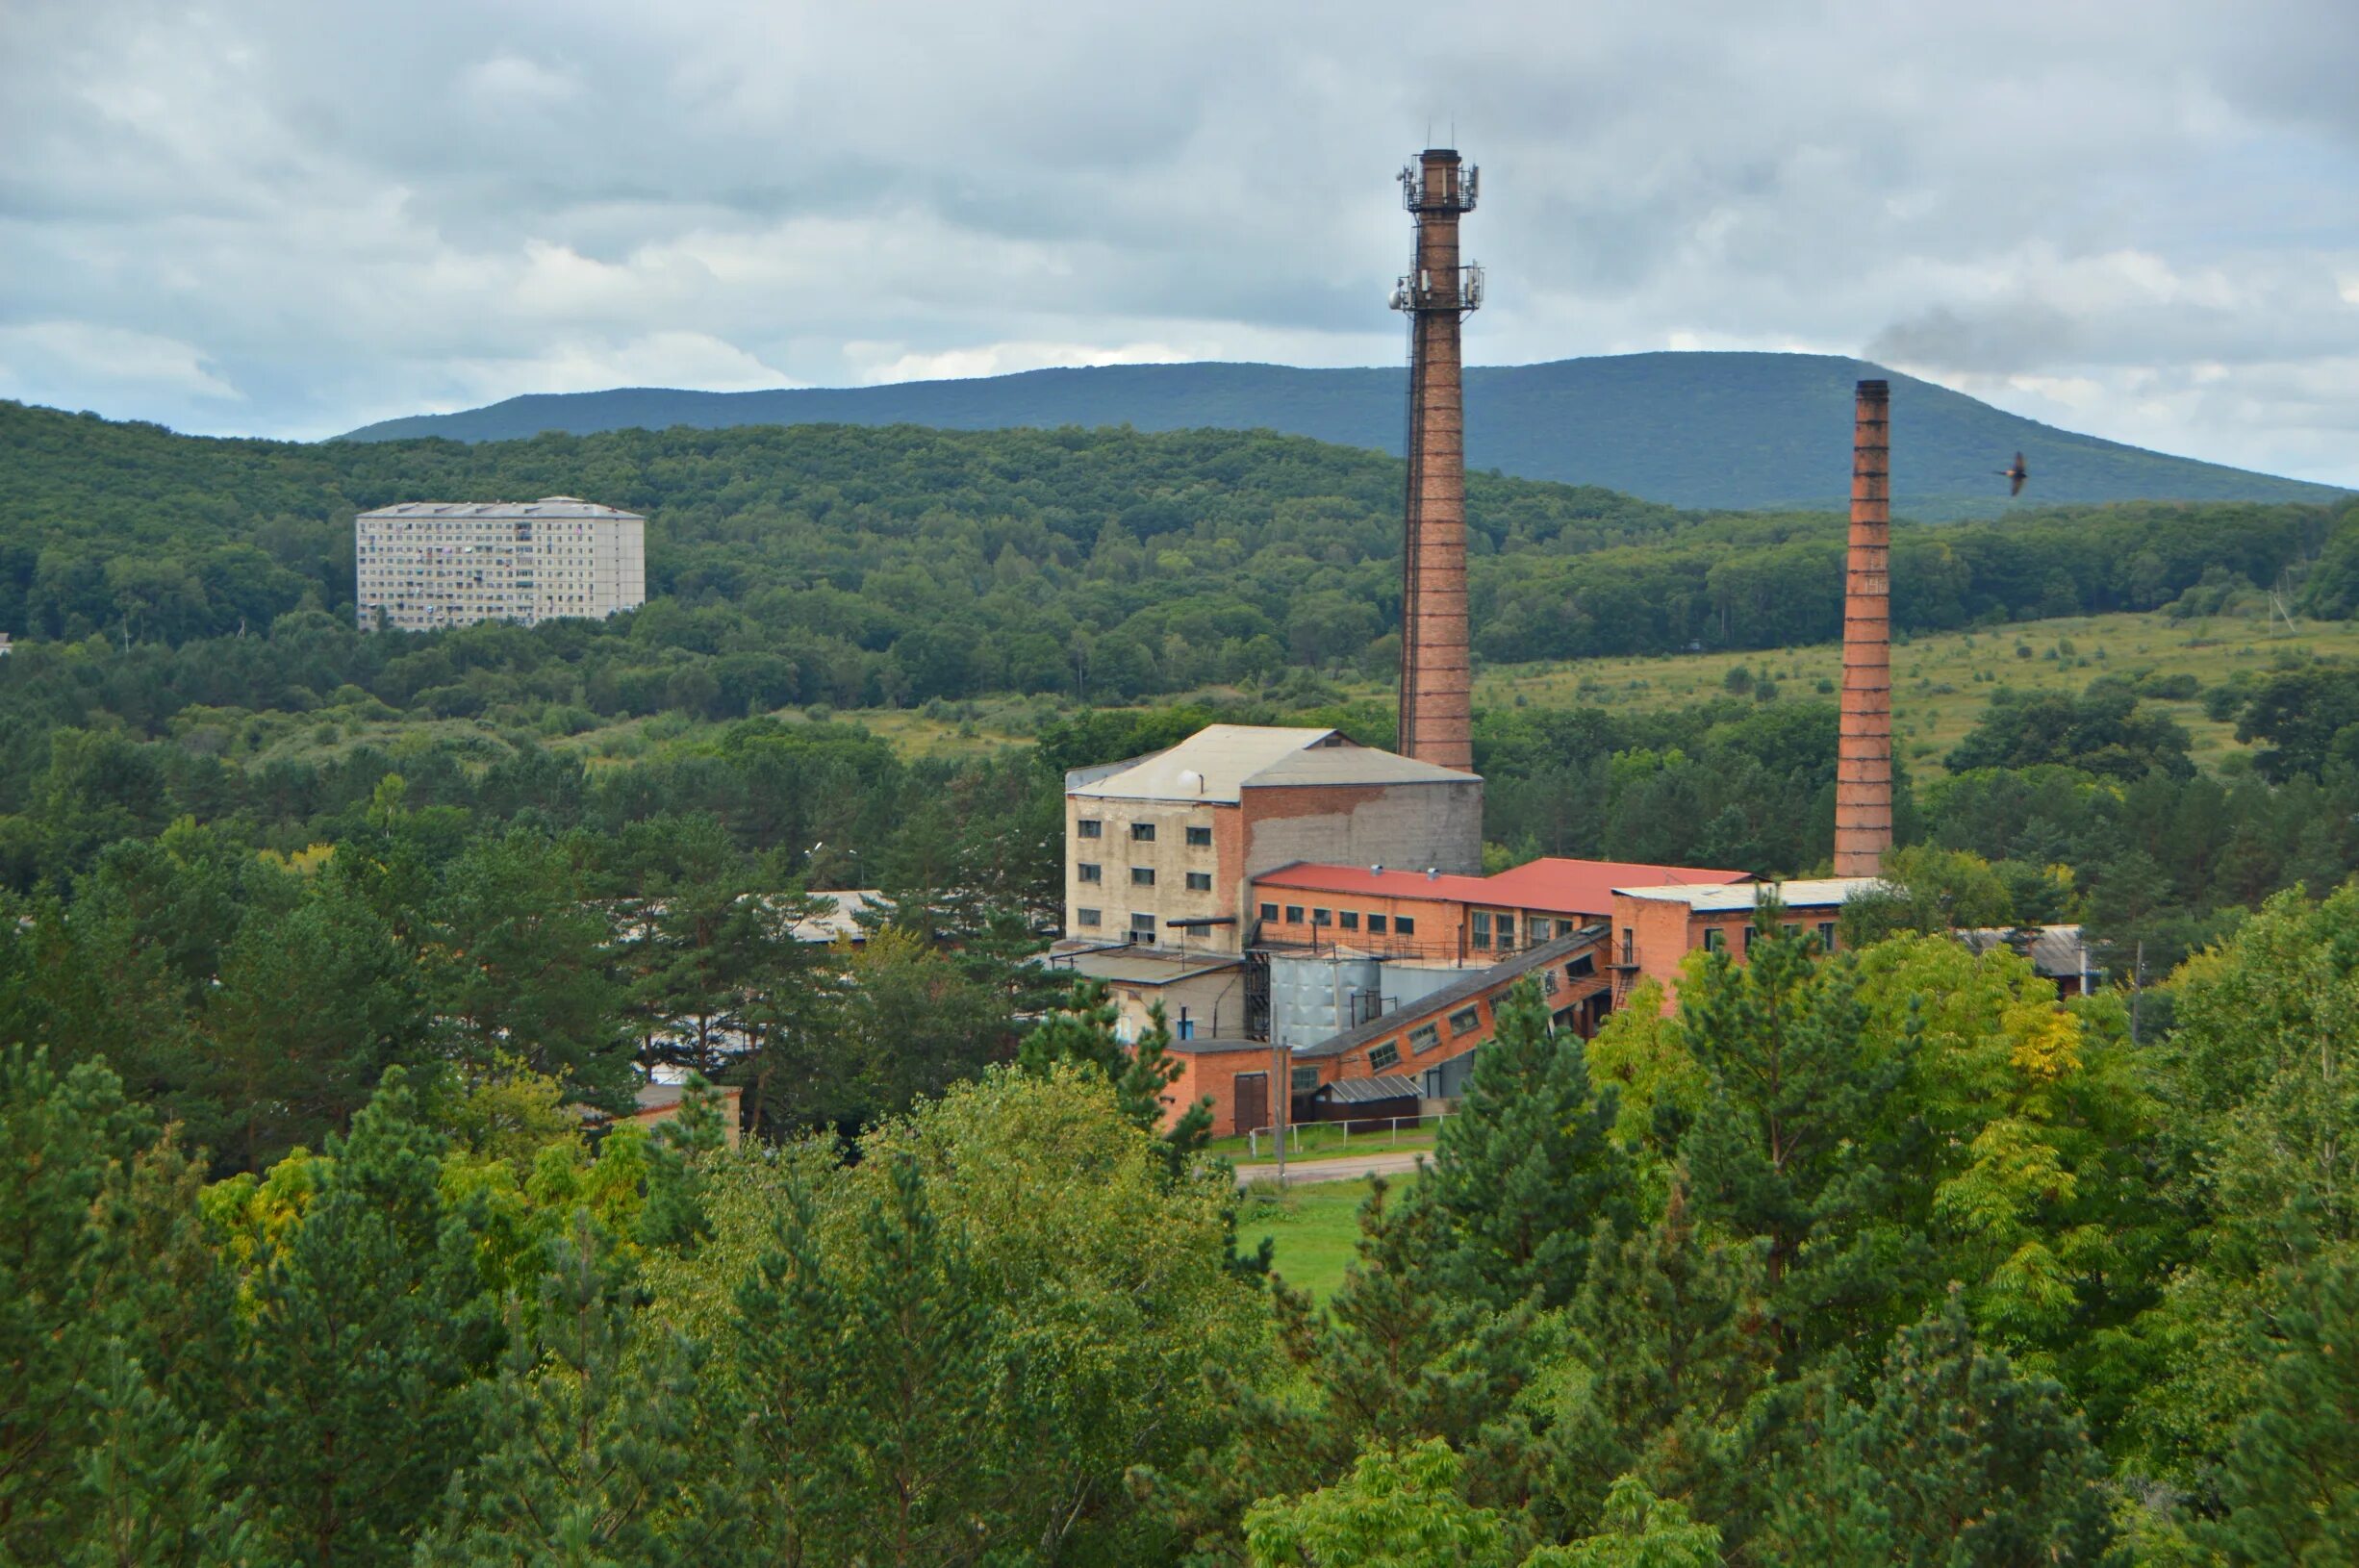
(880, 566)
(1704, 429)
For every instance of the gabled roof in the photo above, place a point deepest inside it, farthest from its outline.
(1220, 761)
(1817, 893)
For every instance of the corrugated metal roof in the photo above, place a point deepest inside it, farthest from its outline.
(1586, 887)
(547, 506)
(1362, 1091)
(1219, 761)
(2057, 952)
(1819, 893)
(1555, 885)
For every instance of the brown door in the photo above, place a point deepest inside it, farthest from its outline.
(1253, 1100)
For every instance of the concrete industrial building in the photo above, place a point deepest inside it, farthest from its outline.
(1161, 848)
(424, 565)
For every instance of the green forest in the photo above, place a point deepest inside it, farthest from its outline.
(315, 945)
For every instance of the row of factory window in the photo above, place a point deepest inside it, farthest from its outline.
(1141, 926)
(1464, 1020)
(1141, 877)
(1094, 827)
(1715, 939)
(1347, 920)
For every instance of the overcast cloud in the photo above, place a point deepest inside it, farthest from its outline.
(2138, 219)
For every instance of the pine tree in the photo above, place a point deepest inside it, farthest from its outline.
(589, 1444)
(1082, 1031)
(2292, 1482)
(1529, 1165)
(110, 1301)
(154, 1483)
(883, 1422)
(1679, 1342)
(1956, 1461)
(368, 1322)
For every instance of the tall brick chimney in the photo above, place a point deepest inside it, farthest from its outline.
(1436, 678)
(1864, 769)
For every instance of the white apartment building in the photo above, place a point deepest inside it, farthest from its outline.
(429, 564)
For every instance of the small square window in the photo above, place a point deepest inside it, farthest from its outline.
(1715, 940)
(1403, 925)
(1269, 912)
(1200, 881)
(1294, 914)
(1541, 930)
(1087, 917)
(1321, 917)
(1465, 1020)
(1142, 925)
(1141, 876)
(1200, 837)
(1348, 919)
(1142, 832)
(1090, 827)
(1424, 1038)
(1383, 1056)
(1586, 964)
(1376, 925)
(1088, 871)
(1305, 1081)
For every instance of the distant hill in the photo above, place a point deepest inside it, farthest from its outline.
(1704, 430)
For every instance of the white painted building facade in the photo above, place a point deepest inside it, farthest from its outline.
(432, 563)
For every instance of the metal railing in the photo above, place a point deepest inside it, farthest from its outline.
(1313, 1137)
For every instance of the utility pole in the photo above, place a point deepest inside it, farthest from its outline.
(1281, 1087)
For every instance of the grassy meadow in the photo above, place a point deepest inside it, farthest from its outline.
(1314, 1227)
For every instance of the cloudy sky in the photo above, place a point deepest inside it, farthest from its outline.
(2139, 219)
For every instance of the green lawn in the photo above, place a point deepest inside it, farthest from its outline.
(1315, 1227)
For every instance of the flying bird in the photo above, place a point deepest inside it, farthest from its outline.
(2015, 475)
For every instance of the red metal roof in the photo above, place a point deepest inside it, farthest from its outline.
(1558, 886)
(1586, 887)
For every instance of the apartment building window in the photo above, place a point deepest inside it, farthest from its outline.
(1424, 1038)
(1089, 872)
(1377, 925)
(1387, 1054)
(1465, 1020)
(1141, 876)
(1826, 935)
(1349, 919)
(1142, 925)
(1142, 832)
(1269, 912)
(1200, 837)
(1715, 940)
(1403, 925)
(1294, 914)
(1090, 827)
(1507, 933)
(1087, 917)
(1321, 917)
(1483, 929)
(1200, 881)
